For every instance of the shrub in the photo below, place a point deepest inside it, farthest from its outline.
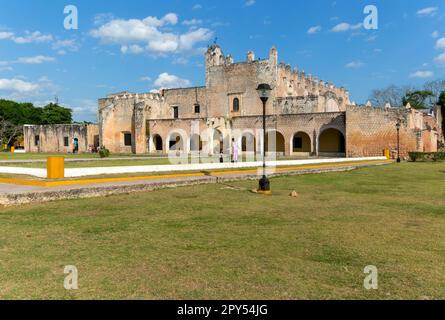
(439, 156)
(104, 153)
(427, 156)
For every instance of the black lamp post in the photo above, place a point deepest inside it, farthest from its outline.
(398, 125)
(264, 91)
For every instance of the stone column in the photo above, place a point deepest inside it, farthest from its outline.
(140, 129)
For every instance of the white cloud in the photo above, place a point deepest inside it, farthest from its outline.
(168, 81)
(192, 22)
(197, 7)
(34, 37)
(149, 35)
(21, 89)
(314, 30)
(145, 79)
(187, 41)
(422, 74)
(249, 3)
(17, 85)
(440, 59)
(6, 35)
(34, 60)
(28, 60)
(342, 27)
(354, 65)
(102, 18)
(425, 12)
(37, 37)
(134, 48)
(435, 34)
(180, 60)
(70, 44)
(440, 44)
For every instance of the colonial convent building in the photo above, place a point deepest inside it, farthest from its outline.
(305, 116)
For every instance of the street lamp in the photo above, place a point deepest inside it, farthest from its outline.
(398, 125)
(264, 91)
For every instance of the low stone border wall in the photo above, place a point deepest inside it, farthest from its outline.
(95, 171)
(101, 191)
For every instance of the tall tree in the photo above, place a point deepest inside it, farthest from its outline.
(8, 132)
(419, 99)
(436, 87)
(14, 115)
(55, 114)
(392, 94)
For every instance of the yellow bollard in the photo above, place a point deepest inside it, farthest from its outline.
(55, 167)
(12, 149)
(387, 154)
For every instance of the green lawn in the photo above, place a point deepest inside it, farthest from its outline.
(44, 156)
(223, 242)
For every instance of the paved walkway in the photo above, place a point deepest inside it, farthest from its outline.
(181, 167)
(16, 193)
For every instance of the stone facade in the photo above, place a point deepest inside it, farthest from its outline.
(60, 138)
(208, 118)
(305, 115)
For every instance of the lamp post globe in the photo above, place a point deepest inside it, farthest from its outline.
(264, 91)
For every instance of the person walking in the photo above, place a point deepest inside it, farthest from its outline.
(76, 145)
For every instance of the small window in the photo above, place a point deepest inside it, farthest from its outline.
(197, 108)
(127, 139)
(66, 142)
(175, 112)
(36, 140)
(298, 143)
(236, 105)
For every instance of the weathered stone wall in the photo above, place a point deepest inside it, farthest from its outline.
(52, 137)
(371, 130)
(185, 100)
(299, 103)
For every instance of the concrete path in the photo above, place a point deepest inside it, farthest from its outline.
(15, 194)
(98, 171)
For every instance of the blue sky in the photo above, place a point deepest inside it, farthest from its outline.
(140, 45)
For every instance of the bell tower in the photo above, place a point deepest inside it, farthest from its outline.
(214, 57)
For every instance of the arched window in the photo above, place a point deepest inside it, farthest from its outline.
(236, 105)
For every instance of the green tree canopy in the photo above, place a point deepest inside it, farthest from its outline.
(27, 113)
(420, 99)
(55, 114)
(14, 115)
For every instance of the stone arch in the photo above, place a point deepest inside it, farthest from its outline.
(218, 142)
(331, 141)
(301, 142)
(158, 143)
(248, 142)
(277, 146)
(176, 142)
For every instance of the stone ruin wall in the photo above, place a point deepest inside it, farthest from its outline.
(51, 137)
